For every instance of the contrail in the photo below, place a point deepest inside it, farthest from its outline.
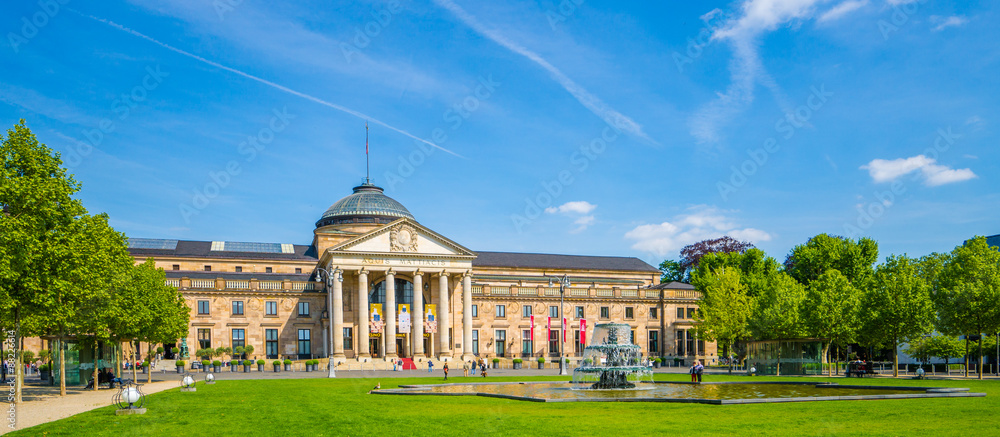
(590, 101)
(263, 81)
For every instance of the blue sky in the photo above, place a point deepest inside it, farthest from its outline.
(579, 127)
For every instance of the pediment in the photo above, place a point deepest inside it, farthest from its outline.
(403, 237)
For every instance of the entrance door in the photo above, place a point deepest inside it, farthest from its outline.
(167, 354)
(373, 346)
(399, 347)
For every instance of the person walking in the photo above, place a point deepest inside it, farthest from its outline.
(694, 377)
(698, 369)
(445, 368)
(465, 369)
(430, 366)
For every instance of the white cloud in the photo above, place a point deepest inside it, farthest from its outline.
(588, 100)
(582, 223)
(700, 223)
(579, 207)
(946, 22)
(882, 170)
(841, 10)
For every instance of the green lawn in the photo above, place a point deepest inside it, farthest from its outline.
(341, 407)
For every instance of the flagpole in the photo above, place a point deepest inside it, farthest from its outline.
(367, 164)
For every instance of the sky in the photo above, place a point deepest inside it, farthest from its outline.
(578, 127)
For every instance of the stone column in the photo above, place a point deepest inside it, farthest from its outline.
(417, 332)
(338, 315)
(467, 317)
(363, 314)
(444, 315)
(390, 314)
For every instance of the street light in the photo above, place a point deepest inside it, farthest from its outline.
(563, 283)
(337, 275)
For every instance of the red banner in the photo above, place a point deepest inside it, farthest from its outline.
(532, 339)
(564, 329)
(548, 330)
(583, 332)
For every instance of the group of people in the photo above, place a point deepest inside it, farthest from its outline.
(697, 368)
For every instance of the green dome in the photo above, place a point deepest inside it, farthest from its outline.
(366, 205)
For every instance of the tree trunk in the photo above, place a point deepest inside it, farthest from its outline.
(777, 369)
(980, 367)
(966, 356)
(95, 366)
(149, 374)
(826, 359)
(729, 356)
(62, 365)
(895, 357)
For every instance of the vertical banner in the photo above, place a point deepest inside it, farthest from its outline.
(583, 333)
(404, 318)
(431, 324)
(564, 324)
(532, 333)
(376, 321)
(548, 331)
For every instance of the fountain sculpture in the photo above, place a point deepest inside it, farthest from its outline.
(612, 361)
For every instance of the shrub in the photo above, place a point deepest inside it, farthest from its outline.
(175, 350)
(541, 359)
(247, 362)
(27, 357)
(657, 360)
(180, 363)
(276, 363)
(518, 361)
(588, 361)
(287, 361)
(496, 360)
(205, 363)
(261, 362)
(159, 349)
(45, 355)
(145, 363)
(43, 368)
(216, 363)
(313, 362)
(567, 361)
(238, 350)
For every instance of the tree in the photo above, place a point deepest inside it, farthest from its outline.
(776, 313)
(943, 346)
(830, 310)
(671, 271)
(969, 292)
(756, 269)
(897, 307)
(35, 204)
(724, 310)
(692, 253)
(853, 259)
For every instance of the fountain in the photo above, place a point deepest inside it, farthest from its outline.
(612, 361)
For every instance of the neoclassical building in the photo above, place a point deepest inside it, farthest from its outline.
(399, 289)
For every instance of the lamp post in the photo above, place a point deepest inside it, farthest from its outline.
(336, 275)
(563, 283)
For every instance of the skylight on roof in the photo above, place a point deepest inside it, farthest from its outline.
(152, 243)
(240, 246)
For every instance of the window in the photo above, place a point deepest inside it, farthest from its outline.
(303, 309)
(475, 342)
(237, 307)
(204, 338)
(654, 342)
(348, 338)
(208, 268)
(239, 269)
(203, 307)
(526, 311)
(239, 338)
(680, 342)
(305, 343)
(271, 343)
(690, 343)
(271, 308)
(501, 342)
(691, 313)
(175, 267)
(632, 336)
(629, 313)
(554, 341)
(267, 270)
(553, 311)
(579, 312)
(577, 347)
(654, 313)
(475, 310)
(680, 313)
(605, 313)
(298, 270)
(526, 346)
(501, 311)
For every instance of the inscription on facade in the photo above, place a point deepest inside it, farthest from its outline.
(405, 262)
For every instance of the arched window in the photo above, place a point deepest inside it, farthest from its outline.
(404, 292)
